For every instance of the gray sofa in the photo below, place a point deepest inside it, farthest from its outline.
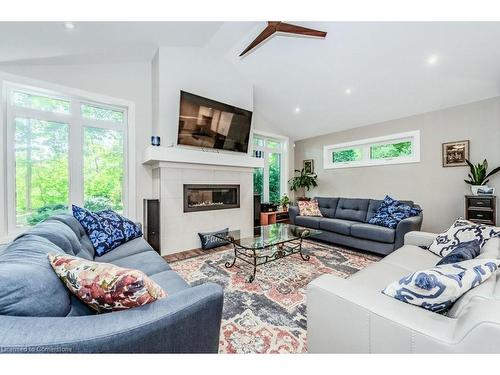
(353, 316)
(39, 315)
(345, 222)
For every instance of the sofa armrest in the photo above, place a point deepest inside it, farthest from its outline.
(186, 322)
(407, 225)
(345, 317)
(293, 212)
(421, 239)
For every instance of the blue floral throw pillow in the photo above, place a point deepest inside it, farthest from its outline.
(391, 212)
(438, 288)
(106, 229)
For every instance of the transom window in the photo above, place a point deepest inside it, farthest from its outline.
(391, 149)
(62, 150)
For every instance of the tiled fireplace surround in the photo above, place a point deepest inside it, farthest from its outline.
(174, 168)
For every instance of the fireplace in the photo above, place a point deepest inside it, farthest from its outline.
(211, 197)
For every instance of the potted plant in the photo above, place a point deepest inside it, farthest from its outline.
(285, 202)
(304, 181)
(478, 175)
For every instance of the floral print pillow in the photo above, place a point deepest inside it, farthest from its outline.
(106, 229)
(103, 286)
(391, 212)
(309, 208)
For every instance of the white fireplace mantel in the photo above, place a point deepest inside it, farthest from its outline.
(154, 154)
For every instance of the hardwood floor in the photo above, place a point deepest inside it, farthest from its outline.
(193, 253)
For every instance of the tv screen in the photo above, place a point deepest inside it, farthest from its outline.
(211, 124)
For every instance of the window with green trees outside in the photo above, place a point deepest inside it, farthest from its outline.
(48, 154)
(390, 150)
(267, 181)
(343, 156)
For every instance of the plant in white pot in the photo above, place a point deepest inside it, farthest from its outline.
(479, 175)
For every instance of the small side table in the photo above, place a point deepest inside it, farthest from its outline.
(274, 217)
(481, 209)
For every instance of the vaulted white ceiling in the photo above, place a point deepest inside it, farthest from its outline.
(300, 83)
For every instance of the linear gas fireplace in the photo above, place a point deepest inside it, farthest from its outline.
(211, 197)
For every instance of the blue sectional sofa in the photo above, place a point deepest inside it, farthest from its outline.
(345, 222)
(39, 315)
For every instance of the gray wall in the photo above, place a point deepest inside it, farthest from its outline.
(440, 191)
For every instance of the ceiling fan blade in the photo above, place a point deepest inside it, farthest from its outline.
(266, 33)
(294, 29)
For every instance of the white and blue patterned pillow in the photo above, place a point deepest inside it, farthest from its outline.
(462, 231)
(391, 212)
(106, 229)
(438, 288)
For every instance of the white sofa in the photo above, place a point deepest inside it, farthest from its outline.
(353, 316)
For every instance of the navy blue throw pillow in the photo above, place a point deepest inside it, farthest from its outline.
(391, 212)
(463, 251)
(106, 229)
(209, 241)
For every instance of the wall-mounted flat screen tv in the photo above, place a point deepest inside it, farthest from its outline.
(207, 123)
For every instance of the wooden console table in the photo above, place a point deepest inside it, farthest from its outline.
(274, 217)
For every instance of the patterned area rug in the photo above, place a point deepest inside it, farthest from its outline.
(269, 315)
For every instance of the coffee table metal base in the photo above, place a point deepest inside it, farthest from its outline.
(252, 257)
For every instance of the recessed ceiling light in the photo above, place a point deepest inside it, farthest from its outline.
(297, 109)
(432, 60)
(69, 25)
(348, 91)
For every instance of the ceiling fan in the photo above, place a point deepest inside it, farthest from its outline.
(282, 27)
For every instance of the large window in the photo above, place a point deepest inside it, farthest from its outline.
(269, 181)
(63, 150)
(391, 149)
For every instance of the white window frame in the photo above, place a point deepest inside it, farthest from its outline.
(283, 150)
(77, 124)
(366, 144)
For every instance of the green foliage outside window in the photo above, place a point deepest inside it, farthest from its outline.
(391, 150)
(102, 114)
(274, 177)
(343, 156)
(103, 167)
(41, 152)
(41, 103)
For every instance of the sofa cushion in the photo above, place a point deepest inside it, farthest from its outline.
(28, 286)
(148, 262)
(170, 282)
(411, 258)
(135, 246)
(336, 225)
(327, 206)
(106, 229)
(58, 233)
(373, 206)
(436, 289)
(309, 208)
(103, 286)
(391, 211)
(352, 209)
(308, 221)
(373, 232)
(86, 249)
(463, 251)
(462, 231)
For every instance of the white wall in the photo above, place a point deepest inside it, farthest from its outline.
(199, 72)
(440, 191)
(130, 81)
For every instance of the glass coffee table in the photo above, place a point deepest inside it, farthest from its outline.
(269, 243)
